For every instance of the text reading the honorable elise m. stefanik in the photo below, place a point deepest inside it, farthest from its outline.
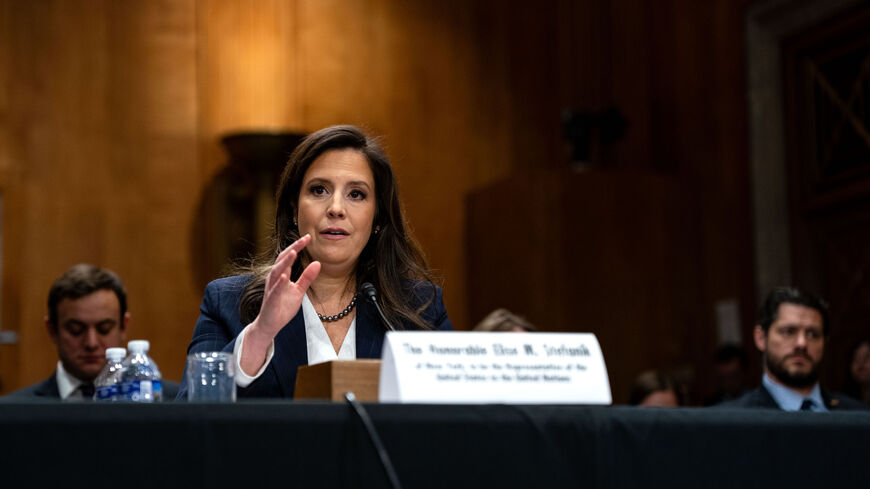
(510, 364)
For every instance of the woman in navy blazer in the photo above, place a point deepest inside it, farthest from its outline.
(338, 225)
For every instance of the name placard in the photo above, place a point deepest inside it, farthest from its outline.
(516, 368)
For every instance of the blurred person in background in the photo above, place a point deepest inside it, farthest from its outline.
(502, 320)
(654, 388)
(87, 313)
(858, 375)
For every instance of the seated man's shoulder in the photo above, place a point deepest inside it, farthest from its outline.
(842, 402)
(755, 398)
(761, 398)
(170, 390)
(45, 389)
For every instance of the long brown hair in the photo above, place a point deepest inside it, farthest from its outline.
(392, 260)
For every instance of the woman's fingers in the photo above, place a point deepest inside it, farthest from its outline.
(280, 282)
(297, 245)
(282, 298)
(287, 257)
(293, 249)
(281, 267)
(308, 275)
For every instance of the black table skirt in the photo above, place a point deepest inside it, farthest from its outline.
(297, 444)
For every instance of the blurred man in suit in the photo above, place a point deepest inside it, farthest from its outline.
(791, 334)
(87, 313)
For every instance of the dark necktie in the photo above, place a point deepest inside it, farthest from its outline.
(87, 391)
(807, 405)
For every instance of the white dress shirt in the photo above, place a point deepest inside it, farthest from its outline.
(318, 345)
(67, 384)
(790, 400)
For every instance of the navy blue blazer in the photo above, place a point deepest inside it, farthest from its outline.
(46, 389)
(760, 398)
(219, 324)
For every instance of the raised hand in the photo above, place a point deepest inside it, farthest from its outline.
(281, 301)
(283, 298)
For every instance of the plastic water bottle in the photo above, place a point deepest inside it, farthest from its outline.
(140, 380)
(108, 383)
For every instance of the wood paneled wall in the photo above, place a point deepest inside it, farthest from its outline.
(617, 263)
(675, 69)
(110, 114)
(104, 167)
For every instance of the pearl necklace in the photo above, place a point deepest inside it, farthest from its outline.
(340, 315)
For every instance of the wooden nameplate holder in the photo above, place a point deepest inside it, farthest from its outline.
(330, 380)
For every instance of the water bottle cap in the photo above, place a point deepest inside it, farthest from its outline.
(116, 353)
(138, 346)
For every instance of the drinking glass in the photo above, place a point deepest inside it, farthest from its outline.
(211, 377)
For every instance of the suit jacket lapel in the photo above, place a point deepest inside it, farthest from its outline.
(369, 331)
(764, 398)
(48, 388)
(291, 351)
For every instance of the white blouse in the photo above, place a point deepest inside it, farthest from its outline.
(319, 346)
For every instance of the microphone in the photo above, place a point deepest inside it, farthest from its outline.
(369, 290)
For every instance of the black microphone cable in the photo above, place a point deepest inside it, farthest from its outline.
(369, 290)
(386, 463)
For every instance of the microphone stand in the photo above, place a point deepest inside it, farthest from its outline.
(369, 290)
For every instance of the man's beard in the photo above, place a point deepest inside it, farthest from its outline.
(796, 380)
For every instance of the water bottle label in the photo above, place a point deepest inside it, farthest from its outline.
(141, 390)
(107, 392)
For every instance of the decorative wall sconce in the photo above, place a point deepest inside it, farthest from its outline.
(235, 217)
